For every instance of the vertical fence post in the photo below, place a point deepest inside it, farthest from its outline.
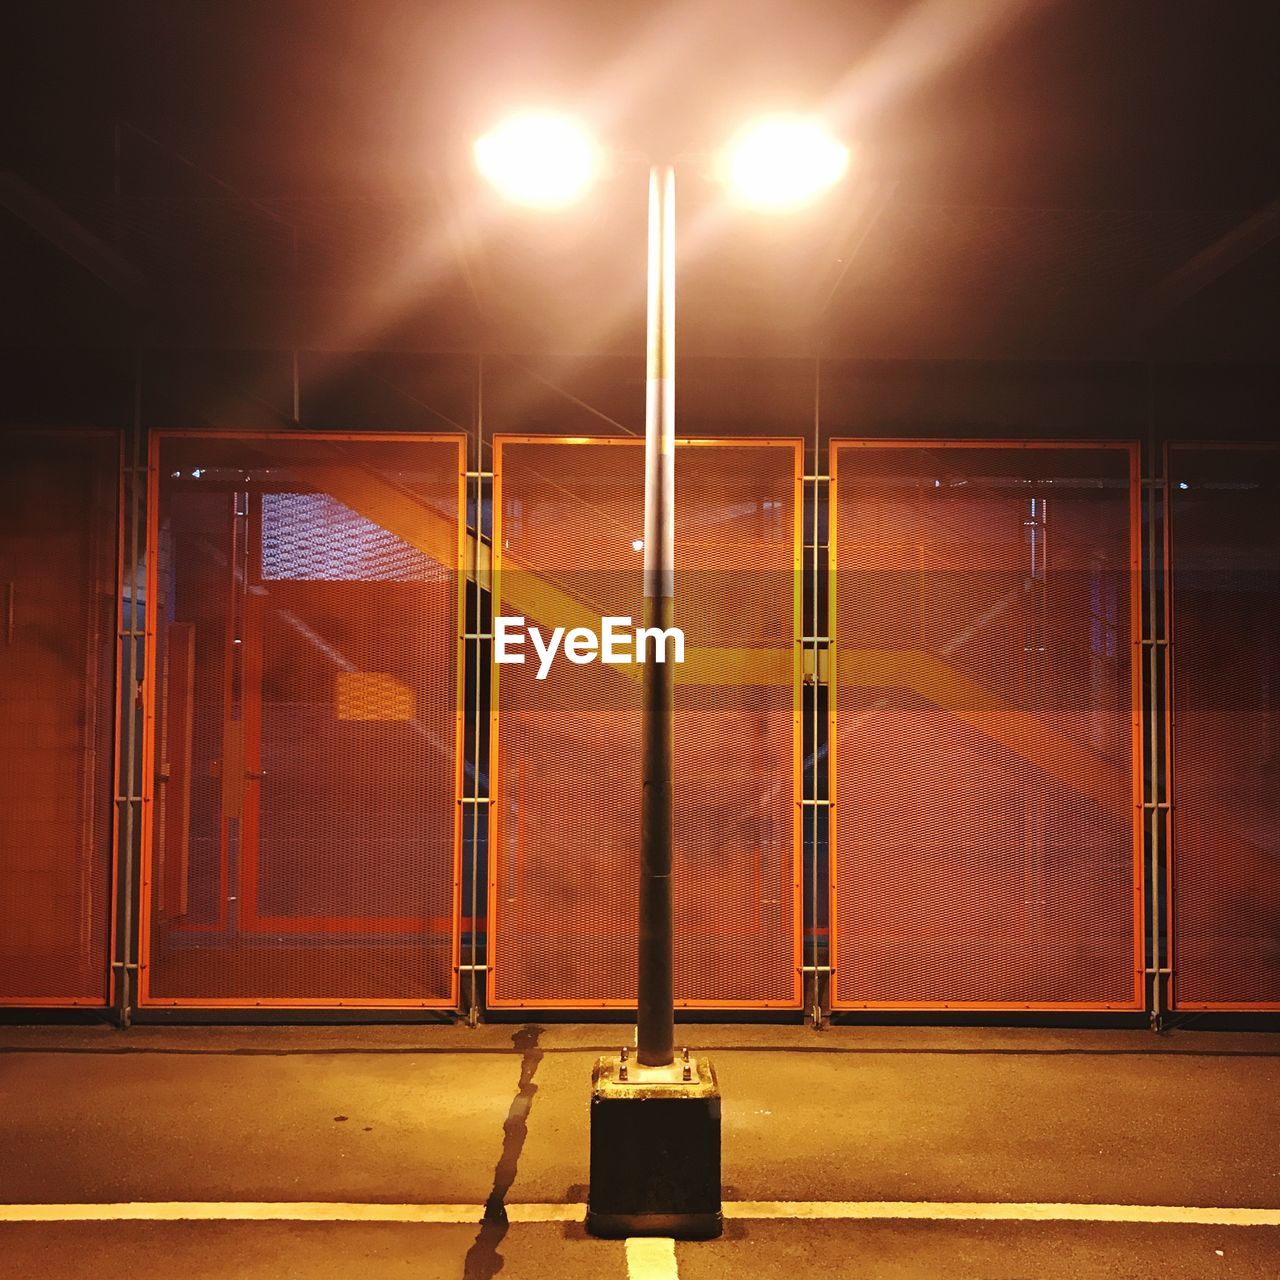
(475, 803)
(816, 1012)
(130, 637)
(1155, 492)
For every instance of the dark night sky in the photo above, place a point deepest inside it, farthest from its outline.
(1017, 138)
(1151, 103)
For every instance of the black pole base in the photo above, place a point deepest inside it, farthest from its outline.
(655, 1151)
(671, 1226)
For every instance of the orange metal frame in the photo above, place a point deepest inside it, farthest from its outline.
(797, 732)
(145, 997)
(109, 978)
(1170, 658)
(1135, 623)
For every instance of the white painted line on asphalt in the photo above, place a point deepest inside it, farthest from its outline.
(249, 1211)
(959, 1211)
(744, 1210)
(546, 1212)
(651, 1258)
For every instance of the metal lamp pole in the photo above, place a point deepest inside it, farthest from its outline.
(655, 1129)
(655, 1015)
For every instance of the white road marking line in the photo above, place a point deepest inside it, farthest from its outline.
(959, 1211)
(743, 1210)
(546, 1212)
(247, 1211)
(651, 1258)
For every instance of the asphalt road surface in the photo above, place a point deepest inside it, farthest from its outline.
(371, 1152)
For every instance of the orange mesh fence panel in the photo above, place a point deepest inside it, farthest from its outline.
(59, 551)
(303, 846)
(565, 835)
(985, 745)
(1225, 726)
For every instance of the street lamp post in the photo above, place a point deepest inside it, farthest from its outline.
(655, 1123)
(655, 1000)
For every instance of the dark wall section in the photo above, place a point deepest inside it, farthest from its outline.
(355, 391)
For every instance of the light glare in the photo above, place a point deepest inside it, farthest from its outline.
(783, 161)
(537, 158)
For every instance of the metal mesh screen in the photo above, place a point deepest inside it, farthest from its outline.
(1225, 729)
(564, 848)
(986, 849)
(305, 838)
(59, 553)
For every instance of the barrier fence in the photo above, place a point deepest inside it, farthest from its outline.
(275, 684)
(59, 573)
(305, 679)
(1224, 602)
(985, 738)
(565, 833)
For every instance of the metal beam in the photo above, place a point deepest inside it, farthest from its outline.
(52, 223)
(1214, 261)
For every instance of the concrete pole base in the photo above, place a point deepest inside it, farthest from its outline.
(655, 1150)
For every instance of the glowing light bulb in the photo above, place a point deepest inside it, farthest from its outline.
(538, 158)
(783, 161)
